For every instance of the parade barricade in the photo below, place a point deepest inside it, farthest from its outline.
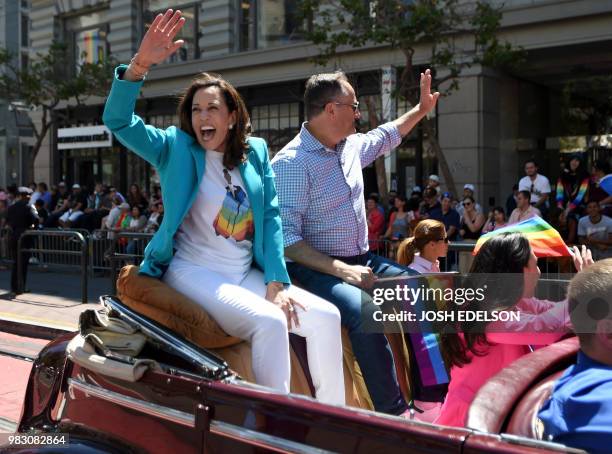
(67, 248)
(100, 246)
(126, 248)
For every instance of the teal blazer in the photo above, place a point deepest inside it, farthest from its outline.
(179, 160)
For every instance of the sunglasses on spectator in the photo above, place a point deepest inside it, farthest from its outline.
(354, 105)
(466, 204)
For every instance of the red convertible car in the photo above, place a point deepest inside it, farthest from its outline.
(174, 396)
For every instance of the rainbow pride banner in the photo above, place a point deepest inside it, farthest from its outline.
(543, 238)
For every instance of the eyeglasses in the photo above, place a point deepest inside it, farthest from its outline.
(466, 204)
(354, 105)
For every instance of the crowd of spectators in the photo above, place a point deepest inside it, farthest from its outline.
(575, 205)
(101, 208)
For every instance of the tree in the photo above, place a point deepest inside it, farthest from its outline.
(457, 34)
(50, 79)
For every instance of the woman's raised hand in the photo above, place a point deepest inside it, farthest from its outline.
(582, 257)
(158, 43)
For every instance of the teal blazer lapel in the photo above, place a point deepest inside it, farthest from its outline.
(198, 158)
(253, 187)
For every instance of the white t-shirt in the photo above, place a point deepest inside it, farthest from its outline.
(599, 231)
(541, 186)
(217, 232)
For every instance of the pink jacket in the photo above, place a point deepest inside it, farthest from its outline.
(541, 323)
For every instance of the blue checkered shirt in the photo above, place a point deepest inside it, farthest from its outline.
(320, 190)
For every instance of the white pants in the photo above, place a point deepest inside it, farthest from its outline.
(240, 308)
(70, 215)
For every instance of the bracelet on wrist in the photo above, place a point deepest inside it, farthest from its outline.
(137, 68)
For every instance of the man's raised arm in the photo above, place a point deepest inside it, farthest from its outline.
(427, 102)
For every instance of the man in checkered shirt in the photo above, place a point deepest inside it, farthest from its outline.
(320, 189)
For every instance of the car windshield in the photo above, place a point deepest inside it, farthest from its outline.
(205, 363)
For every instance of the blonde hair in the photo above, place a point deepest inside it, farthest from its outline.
(427, 230)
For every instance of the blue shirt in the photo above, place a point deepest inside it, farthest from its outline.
(320, 190)
(449, 219)
(579, 413)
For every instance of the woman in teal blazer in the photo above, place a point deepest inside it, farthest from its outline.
(220, 242)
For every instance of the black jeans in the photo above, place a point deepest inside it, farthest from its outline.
(25, 258)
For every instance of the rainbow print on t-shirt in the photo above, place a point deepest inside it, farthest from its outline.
(235, 218)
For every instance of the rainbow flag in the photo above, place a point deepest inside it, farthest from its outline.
(543, 238)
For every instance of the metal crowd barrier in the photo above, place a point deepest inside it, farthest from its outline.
(126, 247)
(106, 251)
(70, 245)
(100, 246)
(459, 258)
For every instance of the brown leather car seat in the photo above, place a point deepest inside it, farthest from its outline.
(496, 402)
(524, 420)
(158, 301)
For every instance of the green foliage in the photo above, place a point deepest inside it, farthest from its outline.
(51, 78)
(442, 25)
(456, 33)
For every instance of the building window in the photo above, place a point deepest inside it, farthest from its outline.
(90, 45)
(268, 23)
(189, 32)
(25, 30)
(276, 123)
(88, 35)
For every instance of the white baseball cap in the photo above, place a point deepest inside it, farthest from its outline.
(434, 177)
(24, 190)
(469, 186)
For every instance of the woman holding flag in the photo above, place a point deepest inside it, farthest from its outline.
(506, 265)
(571, 193)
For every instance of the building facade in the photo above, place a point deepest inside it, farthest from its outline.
(486, 128)
(15, 131)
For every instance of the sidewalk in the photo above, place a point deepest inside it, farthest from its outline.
(51, 307)
(28, 321)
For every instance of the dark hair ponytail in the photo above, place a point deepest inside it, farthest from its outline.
(506, 253)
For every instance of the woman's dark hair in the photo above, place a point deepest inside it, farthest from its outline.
(413, 204)
(402, 198)
(470, 198)
(602, 165)
(237, 146)
(507, 254)
(138, 198)
(500, 210)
